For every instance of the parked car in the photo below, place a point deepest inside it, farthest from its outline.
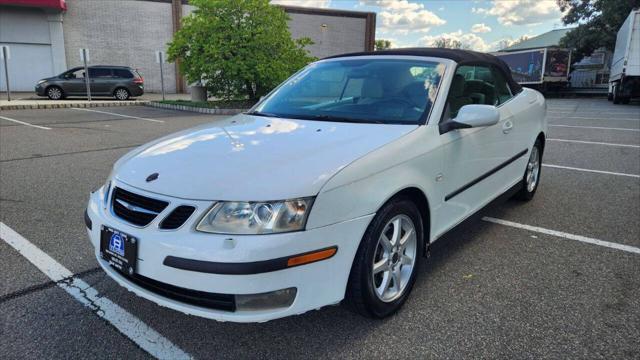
(120, 82)
(330, 189)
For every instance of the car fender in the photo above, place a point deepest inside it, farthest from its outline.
(362, 187)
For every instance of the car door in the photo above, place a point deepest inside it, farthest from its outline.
(100, 80)
(74, 83)
(473, 158)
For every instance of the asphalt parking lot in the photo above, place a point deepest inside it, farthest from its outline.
(558, 277)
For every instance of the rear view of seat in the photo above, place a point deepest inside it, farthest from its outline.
(480, 91)
(457, 97)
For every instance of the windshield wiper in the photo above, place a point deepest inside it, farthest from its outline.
(265, 114)
(341, 119)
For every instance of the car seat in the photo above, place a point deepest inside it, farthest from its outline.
(457, 98)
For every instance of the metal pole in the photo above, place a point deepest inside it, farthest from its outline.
(161, 74)
(86, 73)
(5, 56)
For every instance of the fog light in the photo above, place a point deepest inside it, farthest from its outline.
(266, 301)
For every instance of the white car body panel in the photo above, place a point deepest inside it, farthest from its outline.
(351, 169)
(253, 158)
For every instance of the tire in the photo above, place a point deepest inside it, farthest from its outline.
(531, 177)
(55, 93)
(609, 97)
(366, 292)
(616, 95)
(121, 94)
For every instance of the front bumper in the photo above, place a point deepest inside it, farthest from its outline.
(40, 89)
(317, 284)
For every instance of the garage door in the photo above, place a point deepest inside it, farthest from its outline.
(28, 64)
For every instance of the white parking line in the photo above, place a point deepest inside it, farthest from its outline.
(590, 170)
(24, 123)
(564, 235)
(607, 117)
(592, 127)
(121, 115)
(594, 143)
(137, 331)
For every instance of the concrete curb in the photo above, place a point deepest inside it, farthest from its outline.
(71, 104)
(195, 109)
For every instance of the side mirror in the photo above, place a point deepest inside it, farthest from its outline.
(471, 116)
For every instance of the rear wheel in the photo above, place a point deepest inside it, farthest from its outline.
(616, 94)
(121, 94)
(386, 263)
(54, 93)
(531, 177)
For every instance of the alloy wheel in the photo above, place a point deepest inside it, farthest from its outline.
(394, 258)
(533, 169)
(54, 93)
(122, 94)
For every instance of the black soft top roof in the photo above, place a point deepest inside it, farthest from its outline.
(459, 56)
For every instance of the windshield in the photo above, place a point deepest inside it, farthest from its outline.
(389, 91)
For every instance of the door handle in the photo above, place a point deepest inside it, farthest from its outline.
(507, 126)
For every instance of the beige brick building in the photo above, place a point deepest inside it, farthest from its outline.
(128, 32)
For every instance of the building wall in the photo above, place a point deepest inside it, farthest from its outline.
(34, 37)
(129, 32)
(121, 32)
(331, 35)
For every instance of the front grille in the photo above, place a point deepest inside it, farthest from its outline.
(226, 302)
(177, 217)
(136, 209)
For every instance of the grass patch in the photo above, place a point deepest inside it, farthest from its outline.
(213, 104)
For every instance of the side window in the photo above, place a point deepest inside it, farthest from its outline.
(503, 92)
(471, 84)
(78, 74)
(99, 73)
(122, 73)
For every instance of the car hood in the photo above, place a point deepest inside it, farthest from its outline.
(252, 158)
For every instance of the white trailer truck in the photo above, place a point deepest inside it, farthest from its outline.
(624, 79)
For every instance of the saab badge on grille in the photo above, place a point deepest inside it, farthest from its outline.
(152, 177)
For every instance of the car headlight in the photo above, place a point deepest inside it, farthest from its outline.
(252, 218)
(105, 193)
(42, 82)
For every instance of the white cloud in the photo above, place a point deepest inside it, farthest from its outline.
(480, 28)
(468, 40)
(521, 12)
(304, 3)
(403, 16)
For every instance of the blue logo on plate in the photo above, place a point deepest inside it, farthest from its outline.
(116, 244)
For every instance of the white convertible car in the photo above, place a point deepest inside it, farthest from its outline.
(330, 189)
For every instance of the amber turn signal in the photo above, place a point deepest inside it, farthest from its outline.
(312, 256)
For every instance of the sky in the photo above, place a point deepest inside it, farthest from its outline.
(479, 25)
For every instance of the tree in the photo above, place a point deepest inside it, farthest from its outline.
(382, 44)
(239, 48)
(449, 43)
(598, 23)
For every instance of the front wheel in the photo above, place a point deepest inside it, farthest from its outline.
(54, 93)
(531, 177)
(387, 260)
